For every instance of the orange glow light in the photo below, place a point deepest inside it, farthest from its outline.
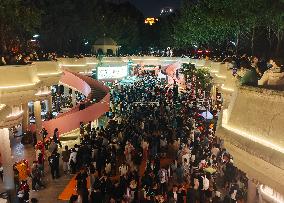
(151, 21)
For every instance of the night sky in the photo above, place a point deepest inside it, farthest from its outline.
(153, 7)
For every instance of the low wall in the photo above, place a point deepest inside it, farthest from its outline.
(17, 76)
(260, 112)
(252, 129)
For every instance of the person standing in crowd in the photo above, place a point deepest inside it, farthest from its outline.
(73, 161)
(82, 188)
(173, 194)
(52, 146)
(56, 137)
(36, 177)
(163, 175)
(65, 159)
(44, 134)
(73, 199)
(53, 161)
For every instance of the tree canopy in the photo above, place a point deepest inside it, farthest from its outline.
(17, 22)
(251, 26)
(215, 23)
(73, 25)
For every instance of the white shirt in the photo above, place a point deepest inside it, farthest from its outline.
(175, 195)
(205, 183)
(163, 175)
(73, 157)
(233, 195)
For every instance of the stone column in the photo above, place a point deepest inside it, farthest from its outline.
(37, 113)
(7, 161)
(66, 91)
(251, 194)
(105, 50)
(49, 103)
(73, 98)
(213, 94)
(26, 118)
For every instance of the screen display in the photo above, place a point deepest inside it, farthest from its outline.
(112, 72)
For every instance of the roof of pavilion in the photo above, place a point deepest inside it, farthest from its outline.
(105, 41)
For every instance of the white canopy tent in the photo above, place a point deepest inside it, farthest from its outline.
(207, 115)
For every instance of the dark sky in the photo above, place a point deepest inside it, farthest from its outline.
(153, 7)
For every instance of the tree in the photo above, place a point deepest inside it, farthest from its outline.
(167, 31)
(277, 24)
(199, 25)
(127, 30)
(202, 75)
(61, 26)
(188, 70)
(213, 23)
(18, 22)
(69, 24)
(204, 79)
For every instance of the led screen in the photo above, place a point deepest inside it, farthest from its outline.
(112, 72)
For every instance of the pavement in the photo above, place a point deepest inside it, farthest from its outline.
(53, 188)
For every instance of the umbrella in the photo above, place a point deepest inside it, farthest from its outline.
(207, 115)
(161, 75)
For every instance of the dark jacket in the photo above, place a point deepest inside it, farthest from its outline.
(250, 78)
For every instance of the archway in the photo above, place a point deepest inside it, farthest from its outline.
(100, 52)
(109, 52)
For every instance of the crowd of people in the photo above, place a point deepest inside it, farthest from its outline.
(21, 58)
(156, 147)
(254, 71)
(26, 58)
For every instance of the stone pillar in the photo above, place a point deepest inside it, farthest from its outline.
(49, 104)
(73, 98)
(251, 194)
(66, 91)
(213, 94)
(7, 162)
(37, 113)
(105, 50)
(26, 118)
(260, 199)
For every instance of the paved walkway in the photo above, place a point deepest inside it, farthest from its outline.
(53, 187)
